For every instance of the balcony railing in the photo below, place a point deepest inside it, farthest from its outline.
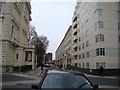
(75, 33)
(75, 19)
(75, 26)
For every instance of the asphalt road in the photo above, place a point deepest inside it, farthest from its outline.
(22, 81)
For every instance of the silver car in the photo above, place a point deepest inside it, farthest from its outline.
(54, 79)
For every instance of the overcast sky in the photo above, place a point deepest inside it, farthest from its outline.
(52, 19)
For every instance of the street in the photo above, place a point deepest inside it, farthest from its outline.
(12, 80)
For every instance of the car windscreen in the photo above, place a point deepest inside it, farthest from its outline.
(65, 81)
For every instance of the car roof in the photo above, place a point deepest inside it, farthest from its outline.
(53, 71)
(57, 72)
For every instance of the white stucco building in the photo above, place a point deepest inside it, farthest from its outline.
(17, 54)
(96, 40)
(64, 51)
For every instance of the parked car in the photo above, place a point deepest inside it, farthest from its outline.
(54, 79)
(46, 65)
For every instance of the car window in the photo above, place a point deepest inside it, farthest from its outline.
(65, 81)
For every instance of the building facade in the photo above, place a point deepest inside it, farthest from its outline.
(48, 58)
(64, 51)
(17, 54)
(96, 35)
(96, 41)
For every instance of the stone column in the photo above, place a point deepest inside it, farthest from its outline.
(33, 64)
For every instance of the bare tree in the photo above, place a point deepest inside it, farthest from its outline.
(40, 42)
(32, 34)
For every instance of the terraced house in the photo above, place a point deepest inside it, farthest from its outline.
(96, 36)
(17, 54)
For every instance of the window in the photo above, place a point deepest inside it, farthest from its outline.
(75, 56)
(86, 33)
(80, 56)
(83, 65)
(119, 38)
(118, 13)
(99, 37)
(16, 56)
(100, 52)
(98, 12)
(117, 3)
(87, 54)
(118, 26)
(75, 41)
(75, 49)
(76, 64)
(79, 39)
(83, 36)
(83, 46)
(99, 64)
(99, 25)
(75, 33)
(87, 65)
(83, 55)
(1, 4)
(80, 47)
(79, 65)
(87, 43)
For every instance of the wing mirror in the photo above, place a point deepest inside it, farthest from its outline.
(96, 86)
(35, 86)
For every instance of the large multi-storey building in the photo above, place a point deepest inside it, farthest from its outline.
(64, 51)
(96, 35)
(17, 54)
(96, 41)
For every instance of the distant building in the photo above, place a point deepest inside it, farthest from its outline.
(64, 51)
(17, 54)
(48, 58)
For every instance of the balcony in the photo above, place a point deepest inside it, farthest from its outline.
(74, 18)
(75, 33)
(75, 25)
(75, 49)
(75, 37)
(75, 41)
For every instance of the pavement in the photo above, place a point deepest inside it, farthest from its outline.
(90, 75)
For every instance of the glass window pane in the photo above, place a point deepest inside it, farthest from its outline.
(64, 81)
(1, 4)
